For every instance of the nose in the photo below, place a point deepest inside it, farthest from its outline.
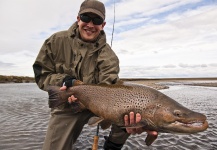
(90, 24)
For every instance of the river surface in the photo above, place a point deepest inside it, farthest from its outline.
(24, 116)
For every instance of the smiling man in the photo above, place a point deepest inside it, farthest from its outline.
(80, 53)
(90, 26)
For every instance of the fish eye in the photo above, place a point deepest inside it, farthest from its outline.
(177, 113)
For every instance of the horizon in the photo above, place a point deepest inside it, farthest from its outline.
(132, 78)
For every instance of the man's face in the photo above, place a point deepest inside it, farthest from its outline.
(89, 31)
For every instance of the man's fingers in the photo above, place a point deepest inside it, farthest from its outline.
(150, 139)
(154, 133)
(132, 121)
(126, 120)
(71, 99)
(127, 123)
(63, 88)
(138, 117)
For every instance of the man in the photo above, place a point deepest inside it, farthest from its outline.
(79, 53)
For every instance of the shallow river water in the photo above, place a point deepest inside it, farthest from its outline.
(24, 117)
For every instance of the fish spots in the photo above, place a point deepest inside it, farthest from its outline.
(150, 110)
(127, 107)
(159, 105)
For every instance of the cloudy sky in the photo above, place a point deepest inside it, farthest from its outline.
(152, 38)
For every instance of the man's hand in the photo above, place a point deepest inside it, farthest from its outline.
(71, 98)
(63, 88)
(130, 119)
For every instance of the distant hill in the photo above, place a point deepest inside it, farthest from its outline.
(16, 79)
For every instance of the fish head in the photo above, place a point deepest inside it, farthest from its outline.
(175, 118)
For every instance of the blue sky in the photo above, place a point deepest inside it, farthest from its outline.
(152, 38)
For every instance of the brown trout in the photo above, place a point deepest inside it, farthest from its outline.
(111, 102)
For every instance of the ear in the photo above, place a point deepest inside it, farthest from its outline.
(103, 24)
(78, 18)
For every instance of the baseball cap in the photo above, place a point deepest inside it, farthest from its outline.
(93, 6)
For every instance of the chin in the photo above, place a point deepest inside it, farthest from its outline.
(89, 39)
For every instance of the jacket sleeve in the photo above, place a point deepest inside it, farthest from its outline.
(44, 68)
(108, 65)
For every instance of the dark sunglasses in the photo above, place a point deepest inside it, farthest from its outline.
(96, 20)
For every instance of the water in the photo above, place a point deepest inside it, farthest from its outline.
(24, 117)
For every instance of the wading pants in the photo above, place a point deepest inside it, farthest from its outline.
(64, 128)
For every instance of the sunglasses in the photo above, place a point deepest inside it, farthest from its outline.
(96, 20)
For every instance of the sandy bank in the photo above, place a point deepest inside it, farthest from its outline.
(159, 83)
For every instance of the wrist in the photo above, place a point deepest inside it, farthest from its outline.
(68, 81)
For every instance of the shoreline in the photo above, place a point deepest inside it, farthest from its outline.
(158, 83)
(16, 79)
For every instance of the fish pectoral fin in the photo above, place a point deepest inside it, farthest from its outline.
(105, 124)
(134, 125)
(150, 139)
(93, 121)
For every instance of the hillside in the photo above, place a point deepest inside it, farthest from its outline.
(16, 79)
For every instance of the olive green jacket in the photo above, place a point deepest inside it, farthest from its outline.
(65, 54)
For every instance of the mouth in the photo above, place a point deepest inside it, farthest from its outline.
(190, 124)
(89, 32)
(189, 127)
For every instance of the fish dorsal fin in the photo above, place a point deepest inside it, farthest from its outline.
(120, 82)
(105, 124)
(93, 121)
(77, 82)
(103, 84)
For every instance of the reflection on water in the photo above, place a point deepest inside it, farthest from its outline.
(24, 116)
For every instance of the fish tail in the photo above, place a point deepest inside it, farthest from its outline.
(54, 96)
(58, 97)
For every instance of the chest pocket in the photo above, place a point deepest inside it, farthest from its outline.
(90, 70)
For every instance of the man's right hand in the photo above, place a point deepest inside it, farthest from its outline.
(63, 88)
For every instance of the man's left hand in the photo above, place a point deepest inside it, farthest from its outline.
(130, 119)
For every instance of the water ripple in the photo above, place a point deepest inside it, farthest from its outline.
(24, 117)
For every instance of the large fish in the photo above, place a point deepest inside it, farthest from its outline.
(111, 102)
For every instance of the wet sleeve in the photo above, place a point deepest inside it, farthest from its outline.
(44, 68)
(108, 65)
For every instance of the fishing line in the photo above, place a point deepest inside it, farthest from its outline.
(113, 28)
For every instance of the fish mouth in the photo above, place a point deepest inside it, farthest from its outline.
(189, 127)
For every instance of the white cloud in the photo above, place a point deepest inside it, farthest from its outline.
(185, 39)
(23, 21)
